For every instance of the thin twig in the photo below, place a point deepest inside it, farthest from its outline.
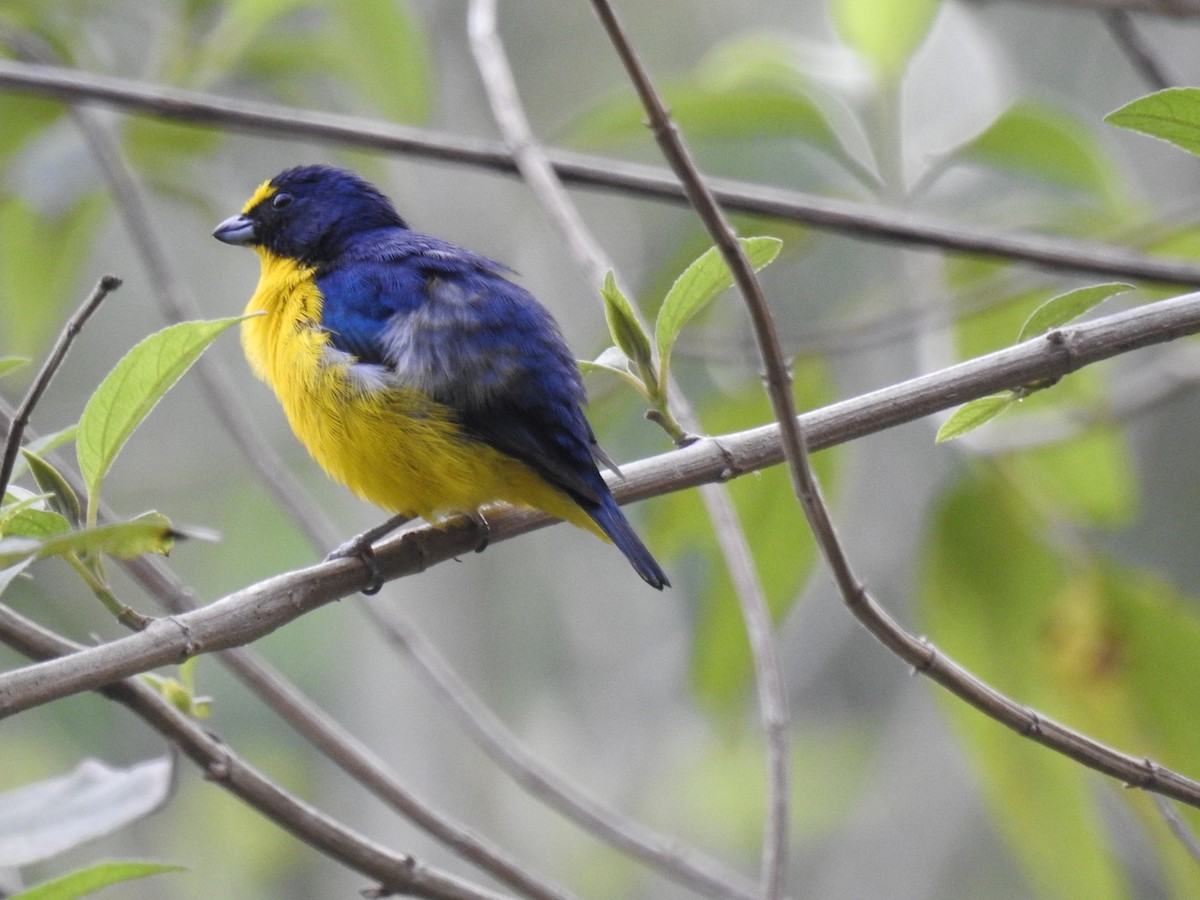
(12, 443)
(397, 873)
(779, 388)
(731, 537)
(353, 757)
(858, 220)
(1140, 52)
(1178, 826)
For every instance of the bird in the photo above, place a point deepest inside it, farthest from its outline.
(417, 373)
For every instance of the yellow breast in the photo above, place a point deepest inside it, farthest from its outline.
(389, 444)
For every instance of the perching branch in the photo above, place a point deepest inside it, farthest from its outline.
(259, 609)
(855, 219)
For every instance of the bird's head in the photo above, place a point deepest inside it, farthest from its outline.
(309, 213)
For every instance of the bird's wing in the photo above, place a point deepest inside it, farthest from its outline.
(448, 323)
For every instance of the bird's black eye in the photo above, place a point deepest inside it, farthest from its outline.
(281, 200)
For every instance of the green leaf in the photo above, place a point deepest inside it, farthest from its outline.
(12, 363)
(613, 362)
(1136, 659)
(87, 881)
(132, 389)
(52, 441)
(1067, 307)
(993, 593)
(63, 498)
(371, 37)
(34, 523)
(19, 499)
(700, 282)
(751, 87)
(1038, 141)
(627, 333)
(885, 33)
(972, 414)
(23, 118)
(181, 692)
(148, 533)
(1172, 115)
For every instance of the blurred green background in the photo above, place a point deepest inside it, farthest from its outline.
(1051, 552)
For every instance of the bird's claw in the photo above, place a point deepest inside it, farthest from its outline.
(360, 549)
(485, 530)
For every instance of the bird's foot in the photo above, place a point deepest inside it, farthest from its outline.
(485, 530)
(360, 547)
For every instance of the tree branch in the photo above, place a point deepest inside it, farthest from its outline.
(855, 219)
(257, 610)
(1139, 51)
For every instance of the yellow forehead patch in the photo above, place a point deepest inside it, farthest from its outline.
(264, 190)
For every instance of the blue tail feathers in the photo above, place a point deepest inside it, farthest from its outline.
(610, 518)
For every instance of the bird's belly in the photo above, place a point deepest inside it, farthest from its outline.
(404, 452)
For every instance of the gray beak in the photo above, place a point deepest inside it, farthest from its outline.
(235, 230)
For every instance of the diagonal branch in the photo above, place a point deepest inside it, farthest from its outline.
(260, 609)
(779, 388)
(855, 219)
